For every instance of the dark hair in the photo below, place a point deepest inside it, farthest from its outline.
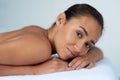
(78, 10)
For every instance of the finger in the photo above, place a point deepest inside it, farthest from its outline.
(69, 69)
(90, 65)
(82, 65)
(73, 62)
(78, 63)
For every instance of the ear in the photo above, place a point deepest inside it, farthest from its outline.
(61, 19)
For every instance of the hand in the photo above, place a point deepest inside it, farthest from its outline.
(82, 62)
(50, 66)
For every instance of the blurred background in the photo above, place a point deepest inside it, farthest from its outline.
(15, 14)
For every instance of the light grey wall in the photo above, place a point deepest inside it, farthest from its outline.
(15, 14)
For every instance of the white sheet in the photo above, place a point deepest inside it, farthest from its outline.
(102, 71)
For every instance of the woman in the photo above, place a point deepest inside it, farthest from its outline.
(72, 36)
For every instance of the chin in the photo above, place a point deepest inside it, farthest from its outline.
(62, 57)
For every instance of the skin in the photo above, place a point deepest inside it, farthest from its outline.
(36, 46)
(73, 39)
(79, 35)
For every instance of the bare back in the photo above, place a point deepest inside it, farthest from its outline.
(26, 46)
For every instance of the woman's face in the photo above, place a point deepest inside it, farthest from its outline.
(76, 37)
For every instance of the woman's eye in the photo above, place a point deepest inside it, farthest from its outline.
(79, 34)
(88, 45)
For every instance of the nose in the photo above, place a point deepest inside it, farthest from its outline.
(79, 47)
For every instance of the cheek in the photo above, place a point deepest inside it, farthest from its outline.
(59, 41)
(71, 39)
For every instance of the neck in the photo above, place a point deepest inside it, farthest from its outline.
(51, 33)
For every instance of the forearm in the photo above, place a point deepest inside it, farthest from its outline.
(95, 54)
(16, 70)
(50, 66)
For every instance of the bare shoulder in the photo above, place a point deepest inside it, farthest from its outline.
(33, 27)
(38, 36)
(40, 44)
(39, 33)
(44, 46)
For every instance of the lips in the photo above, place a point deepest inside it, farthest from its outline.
(70, 54)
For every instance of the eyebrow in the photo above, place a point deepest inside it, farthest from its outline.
(86, 33)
